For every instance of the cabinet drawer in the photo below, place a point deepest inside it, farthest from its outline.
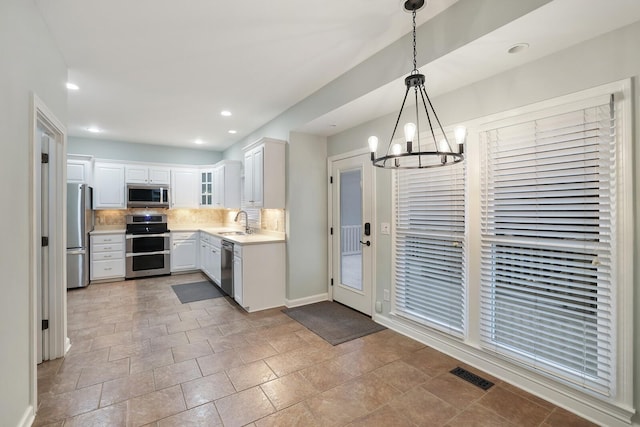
(100, 256)
(99, 239)
(107, 268)
(184, 235)
(108, 247)
(237, 250)
(204, 237)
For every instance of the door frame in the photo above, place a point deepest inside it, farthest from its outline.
(373, 236)
(59, 344)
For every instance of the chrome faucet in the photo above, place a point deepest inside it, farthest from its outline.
(246, 221)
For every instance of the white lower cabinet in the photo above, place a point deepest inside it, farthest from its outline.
(107, 256)
(259, 275)
(184, 251)
(210, 247)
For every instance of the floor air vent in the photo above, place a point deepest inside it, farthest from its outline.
(472, 378)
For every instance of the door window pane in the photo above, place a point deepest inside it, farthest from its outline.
(351, 229)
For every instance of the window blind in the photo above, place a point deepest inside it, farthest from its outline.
(430, 282)
(548, 204)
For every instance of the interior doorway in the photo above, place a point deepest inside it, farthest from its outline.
(352, 230)
(47, 254)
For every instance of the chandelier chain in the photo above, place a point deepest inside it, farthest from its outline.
(415, 63)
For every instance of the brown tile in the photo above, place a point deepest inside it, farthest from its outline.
(327, 375)
(115, 415)
(479, 416)
(193, 314)
(230, 342)
(207, 389)
(177, 373)
(155, 406)
(382, 417)
(202, 416)
(286, 391)
(103, 372)
(191, 351)
(91, 332)
(251, 375)
(111, 339)
(287, 342)
(358, 362)
(527, 395)
(513, 407)
(219, 362)
(57, 407)
(57, 384)
(431, 361)
(423, 408)
(147, 333)
(401, 375)
(203, 333)
(168, 341)
(294, 416)
(163, 319)
(453, 390)
(252, 352)
(243, 408)
(127, 350)
(291, 361)
(235, 327)
(127, 387)
(563, 418)
(153, 360)
(76, 362)
(182, 325)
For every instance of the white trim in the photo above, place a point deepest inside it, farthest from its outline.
(41, 114)
(587, 406)
(27, 418)
(290, 303)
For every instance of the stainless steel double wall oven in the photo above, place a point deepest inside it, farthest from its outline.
(147, 246)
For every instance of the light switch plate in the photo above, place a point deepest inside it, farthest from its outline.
(387, 297)
(385, 228)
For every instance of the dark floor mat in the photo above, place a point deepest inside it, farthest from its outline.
(198, 291)
(334, 322)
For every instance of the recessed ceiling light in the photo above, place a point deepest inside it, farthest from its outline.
(72, 86)
(225, 113)
(94, 129)
(199, 141)
(517, 48)
(233, 131)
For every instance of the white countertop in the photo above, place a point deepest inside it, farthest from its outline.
(248, 239)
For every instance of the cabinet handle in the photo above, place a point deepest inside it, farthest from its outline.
(107, 240)
(106, 248)
(107, 256)
(108, 268)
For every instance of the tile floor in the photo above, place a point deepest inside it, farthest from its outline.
(140, 358)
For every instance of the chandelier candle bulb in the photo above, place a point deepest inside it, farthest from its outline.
(409, 135)
(373, 146)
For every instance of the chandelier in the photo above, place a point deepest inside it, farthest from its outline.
(434, 150)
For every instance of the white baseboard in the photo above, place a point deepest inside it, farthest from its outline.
(587, 406)
(28, 417)
(67, 345)
(290, 303)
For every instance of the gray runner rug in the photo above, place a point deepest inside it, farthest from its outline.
(198, 291)
(333, 322)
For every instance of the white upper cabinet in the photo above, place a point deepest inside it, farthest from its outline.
(264, 174)
(108, 192)
(206, 187)
(80, 169)
(184, 188)
(144, 174)
(226, 178)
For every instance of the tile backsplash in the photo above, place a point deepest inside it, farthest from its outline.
(265, 219)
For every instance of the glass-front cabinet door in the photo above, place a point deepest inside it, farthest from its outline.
(206, 187)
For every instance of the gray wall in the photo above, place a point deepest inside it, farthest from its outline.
(130, 151)
(611, 57)
(306, 216)
(30, 63)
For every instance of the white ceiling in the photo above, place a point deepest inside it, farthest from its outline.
(160, 71)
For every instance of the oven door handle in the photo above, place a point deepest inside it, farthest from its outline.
(128, 255)
(138, 236)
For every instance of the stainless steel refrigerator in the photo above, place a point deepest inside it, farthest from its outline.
(79, 224)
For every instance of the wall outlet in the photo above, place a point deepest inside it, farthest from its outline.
(385, 228)
(387, 295)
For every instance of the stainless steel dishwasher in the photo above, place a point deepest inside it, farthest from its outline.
(226, 272)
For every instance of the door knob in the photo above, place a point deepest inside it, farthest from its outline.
(368, 243)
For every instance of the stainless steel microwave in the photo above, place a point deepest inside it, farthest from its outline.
(147, 196)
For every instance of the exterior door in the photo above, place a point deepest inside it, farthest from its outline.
(352, 240)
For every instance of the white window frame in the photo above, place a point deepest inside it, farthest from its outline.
(616, 410)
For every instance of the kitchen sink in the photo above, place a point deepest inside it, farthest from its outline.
(232, 233)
